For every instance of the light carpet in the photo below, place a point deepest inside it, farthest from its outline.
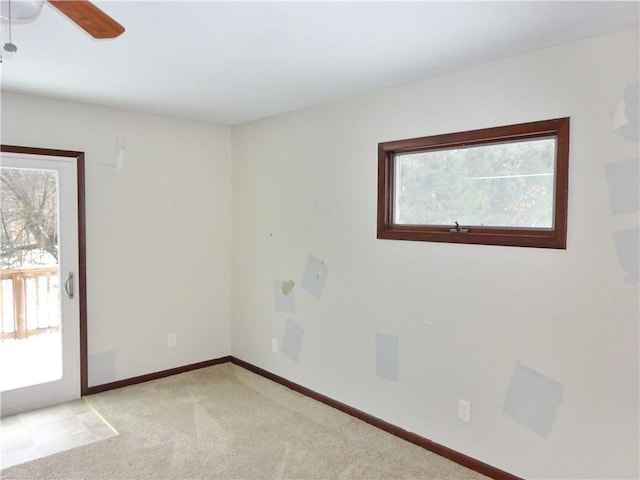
(224, 422)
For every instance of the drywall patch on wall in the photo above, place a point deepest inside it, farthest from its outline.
(119, 154)
(628, 249)
(623, 180)
(101, 368)
(315, 276)
(292, 340)
(533, 400)
(387, 347)
(284, 296)
(626, 116)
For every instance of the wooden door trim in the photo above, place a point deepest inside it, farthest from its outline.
(82, 271)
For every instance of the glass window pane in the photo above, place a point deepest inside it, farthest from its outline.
(495, 185)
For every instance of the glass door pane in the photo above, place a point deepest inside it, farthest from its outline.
(30, 312)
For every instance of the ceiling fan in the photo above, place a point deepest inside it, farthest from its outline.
(81, 12)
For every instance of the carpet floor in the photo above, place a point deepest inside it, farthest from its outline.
(224, 422)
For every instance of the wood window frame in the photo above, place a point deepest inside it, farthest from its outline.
(554, 237)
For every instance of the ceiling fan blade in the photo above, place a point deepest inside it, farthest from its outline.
(89, 17)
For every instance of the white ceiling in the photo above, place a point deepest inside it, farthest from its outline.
(233, 62)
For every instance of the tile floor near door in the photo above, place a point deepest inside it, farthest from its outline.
(31, 435)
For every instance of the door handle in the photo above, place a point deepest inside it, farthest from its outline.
(68, 285)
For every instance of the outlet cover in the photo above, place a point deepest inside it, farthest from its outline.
(171, 340)
(274, 345)
(464, 410)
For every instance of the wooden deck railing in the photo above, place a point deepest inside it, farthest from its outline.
(29, 301)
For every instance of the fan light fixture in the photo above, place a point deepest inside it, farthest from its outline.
(20, 11)
(83, 13)
(8, 14)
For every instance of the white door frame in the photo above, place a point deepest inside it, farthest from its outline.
(75, 364)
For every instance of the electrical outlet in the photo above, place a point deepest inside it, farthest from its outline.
(274, 345)
(464, 410)
(171, 340)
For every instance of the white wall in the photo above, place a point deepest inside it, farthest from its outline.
(158, 232)
(305, 183)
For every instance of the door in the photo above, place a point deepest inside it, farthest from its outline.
(39, 298)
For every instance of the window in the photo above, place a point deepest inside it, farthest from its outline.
(496, 186)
